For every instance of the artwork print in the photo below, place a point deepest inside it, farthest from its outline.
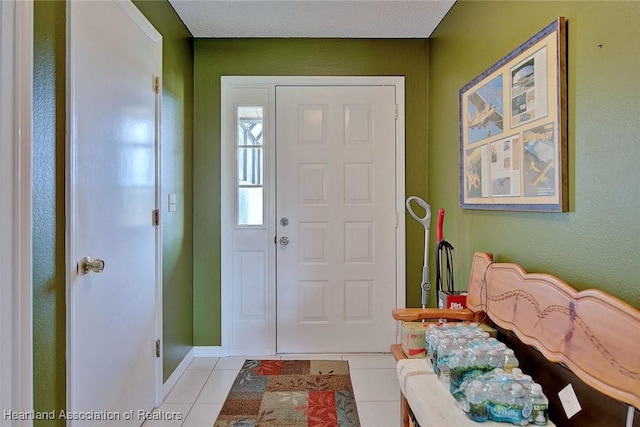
(528, 89)
(512, 123)
(485, 111)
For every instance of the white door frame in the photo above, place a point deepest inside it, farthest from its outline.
(70, 185)
(16, 71)
(227, 185)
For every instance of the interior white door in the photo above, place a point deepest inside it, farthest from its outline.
(336, 256)
(115, 56)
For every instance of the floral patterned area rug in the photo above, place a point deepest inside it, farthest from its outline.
(291, 393)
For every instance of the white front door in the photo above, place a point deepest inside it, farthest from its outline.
(336, 213)
(114, 59)
(340, 186)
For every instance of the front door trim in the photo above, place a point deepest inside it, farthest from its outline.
(228, 84)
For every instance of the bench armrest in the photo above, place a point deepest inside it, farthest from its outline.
(418, 314)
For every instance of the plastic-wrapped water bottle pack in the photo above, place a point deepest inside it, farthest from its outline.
(498, 396)
(483, 375)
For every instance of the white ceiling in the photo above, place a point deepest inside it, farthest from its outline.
(312, 18)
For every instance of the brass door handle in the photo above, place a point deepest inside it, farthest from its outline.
(87, 265)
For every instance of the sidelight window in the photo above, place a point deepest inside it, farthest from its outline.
(250, 161)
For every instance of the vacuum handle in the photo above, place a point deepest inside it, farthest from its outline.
(439, 234)
(426, 220)
(425, 286)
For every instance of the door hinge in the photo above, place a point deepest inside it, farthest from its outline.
(396, 221)
(156, 85)
(155, 217)
(157, 348)
(396, 108)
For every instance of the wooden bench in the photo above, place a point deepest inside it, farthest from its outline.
(588, 339)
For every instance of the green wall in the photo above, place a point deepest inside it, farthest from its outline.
(49, 106)
(49, 337)
(273, 57)
(596, 244)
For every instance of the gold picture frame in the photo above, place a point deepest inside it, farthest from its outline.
(513, 129)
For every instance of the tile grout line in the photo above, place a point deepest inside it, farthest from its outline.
(198, 395)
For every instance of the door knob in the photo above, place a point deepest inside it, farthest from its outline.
(87, 265)
(284, 240)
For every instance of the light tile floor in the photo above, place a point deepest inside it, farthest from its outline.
(199, 393)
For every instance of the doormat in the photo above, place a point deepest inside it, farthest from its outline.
(291, 393)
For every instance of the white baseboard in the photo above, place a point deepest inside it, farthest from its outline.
(177, 373)
(208, 351)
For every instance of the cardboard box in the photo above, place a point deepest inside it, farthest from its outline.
(455, 301)
(413, 339)
(491, 330)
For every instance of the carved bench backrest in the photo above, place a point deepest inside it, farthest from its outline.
(596, 335)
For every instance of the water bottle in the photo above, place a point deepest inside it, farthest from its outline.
(461, 343)
(454, 335)
(458, 358)
(478, 361)
(496, 375)
(500, 349)
(457, 363)
(526, 381)
(495, 396)
(468, 332)
(477, 401)
(539, 405)
(494, 360)
(434, 341)
(520, 409)
(429, 333)
(428, 342)
(493, 343)
(474, 367)
(481, 341)
(510, 361)
(444, 353)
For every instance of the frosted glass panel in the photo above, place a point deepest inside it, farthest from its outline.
(250, 201)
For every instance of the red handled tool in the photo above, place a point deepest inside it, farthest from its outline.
(444, 248)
